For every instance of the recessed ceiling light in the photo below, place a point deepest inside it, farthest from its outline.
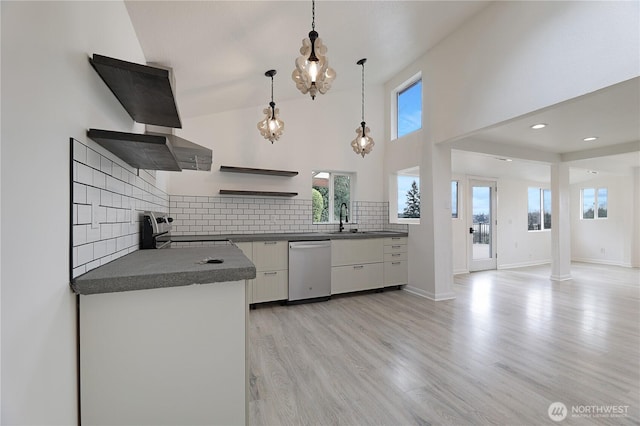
(504, 159)
(538, 126)
(590, 138)
(593, 172)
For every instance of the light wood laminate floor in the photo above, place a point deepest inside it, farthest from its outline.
(509, 345)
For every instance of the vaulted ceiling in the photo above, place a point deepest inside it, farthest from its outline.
(219, 51)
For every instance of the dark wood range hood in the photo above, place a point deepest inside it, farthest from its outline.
(146, 93)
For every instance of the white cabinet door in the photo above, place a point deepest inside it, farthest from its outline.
(353, 252)
(271, 255)
(271, 285)
(395, 273)
(247, 250)
(349, 278)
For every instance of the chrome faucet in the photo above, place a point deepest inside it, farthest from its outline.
(346, 208)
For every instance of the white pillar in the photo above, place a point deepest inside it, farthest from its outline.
(635, 240)
(560, 222)
(430, 246)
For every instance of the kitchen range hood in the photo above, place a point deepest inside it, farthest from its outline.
(154, 151)
(146, 93)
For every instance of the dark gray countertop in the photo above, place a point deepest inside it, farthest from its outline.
(147, 269)
(288, 236)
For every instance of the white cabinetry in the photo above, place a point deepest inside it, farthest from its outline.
(395, 261)
(356, 265)
(172, 355)
(272, 271)
(247, 250)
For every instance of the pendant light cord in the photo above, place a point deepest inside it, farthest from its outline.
(271, 88)
(363, 92)
(313, 15)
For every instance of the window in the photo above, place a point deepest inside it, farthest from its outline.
(454, 199)
(409, 194)
(539, 211)
(329, 191)
(409, 112)
(592, 197)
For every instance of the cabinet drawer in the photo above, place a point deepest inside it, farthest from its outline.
(270, 285)
(270, 255)
(389, 241)
(395, 248)
(247, 249)
(393, 257)
(349, 278)
(396, 273)
(352, 252)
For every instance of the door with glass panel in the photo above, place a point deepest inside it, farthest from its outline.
(482, 225)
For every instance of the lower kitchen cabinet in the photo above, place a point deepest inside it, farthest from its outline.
(395, 273)
(270, 285)
(395, 261)
(345, 279)
(271, 259)
(247, 250)
(175, 355)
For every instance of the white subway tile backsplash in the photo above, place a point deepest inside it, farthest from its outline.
(228, 215)
(115, 188)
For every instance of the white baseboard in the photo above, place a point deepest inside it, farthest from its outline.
(602, 262)
(460, 271)
(429, 295)
(566, 277)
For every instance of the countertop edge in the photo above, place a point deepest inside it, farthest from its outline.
(163, 280)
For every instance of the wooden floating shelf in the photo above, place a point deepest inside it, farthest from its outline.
(258, 193)
(249, 170)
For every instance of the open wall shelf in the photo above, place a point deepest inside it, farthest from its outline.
(258, 193)
(269, 172)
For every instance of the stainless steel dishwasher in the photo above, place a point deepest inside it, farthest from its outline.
(309, 270)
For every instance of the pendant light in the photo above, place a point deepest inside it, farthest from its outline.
(363, 143)
(271, 127)
(312, 73)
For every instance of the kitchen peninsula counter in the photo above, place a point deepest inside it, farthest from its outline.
(150, 269)
(175, 353)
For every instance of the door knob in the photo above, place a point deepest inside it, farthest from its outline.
(471, 230)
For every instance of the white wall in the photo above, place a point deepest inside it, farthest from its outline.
(460, 228)
(317, 136)
(517, 57)
(516, 245)
(49, 94)
(610, 240)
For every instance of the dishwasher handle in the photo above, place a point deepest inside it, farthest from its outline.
(309, 244)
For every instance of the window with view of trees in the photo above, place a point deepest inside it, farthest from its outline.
(408, 196)
(539, 210)
(594, 203)
(454, 199)
(329, 190)
(409, 112)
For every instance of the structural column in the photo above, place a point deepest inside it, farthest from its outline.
(430, 246)
(635, 237)
(560, 222)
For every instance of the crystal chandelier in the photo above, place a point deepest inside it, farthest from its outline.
(363, 143)
(312, 73)
(271, 127)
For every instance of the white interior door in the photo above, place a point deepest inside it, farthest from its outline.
(482, 225)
